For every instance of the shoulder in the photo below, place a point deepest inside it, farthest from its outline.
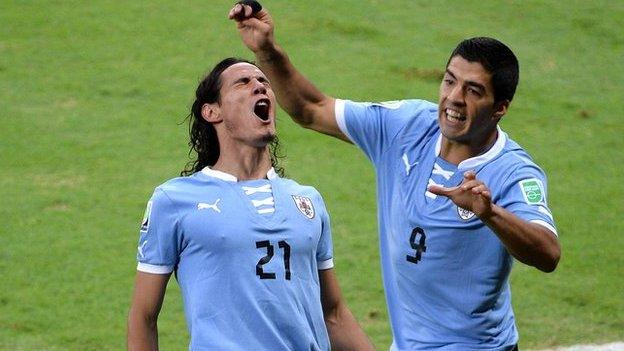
(516, 158)
(515, 166)
(400, 107)
(181, 187)
(423, 115)
(294, 186)
(421, 106)
(296, 189)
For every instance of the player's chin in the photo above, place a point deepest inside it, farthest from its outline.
(269, 137)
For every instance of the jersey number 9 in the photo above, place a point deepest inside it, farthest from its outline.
(417, 242)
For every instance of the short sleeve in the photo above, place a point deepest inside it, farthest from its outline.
(374, 126)
(525, 195)
(324, 251)
(157, 251)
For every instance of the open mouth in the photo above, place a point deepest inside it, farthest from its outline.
(454, 116)
(261, 109)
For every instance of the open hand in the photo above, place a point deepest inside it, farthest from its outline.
(472, 195)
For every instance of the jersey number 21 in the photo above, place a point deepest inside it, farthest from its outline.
(282, 244)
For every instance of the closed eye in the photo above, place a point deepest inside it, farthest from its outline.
(242, 81)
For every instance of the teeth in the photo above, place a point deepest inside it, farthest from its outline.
(452, 114)
(261, 109)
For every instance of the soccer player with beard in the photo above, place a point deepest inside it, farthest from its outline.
(251, 250)
(457, 198)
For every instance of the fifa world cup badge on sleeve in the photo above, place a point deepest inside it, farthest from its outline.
(304, 204)
(146, 215)
(533, 191)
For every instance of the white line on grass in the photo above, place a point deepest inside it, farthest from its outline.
(616, 346)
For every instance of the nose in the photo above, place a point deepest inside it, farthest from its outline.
(259, 87)
(456, 95)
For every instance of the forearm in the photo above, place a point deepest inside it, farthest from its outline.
(142, 333)
(303, 101)
(294, 92)
(344, 331)
(306, 104)
(529, 243)
(149, 292)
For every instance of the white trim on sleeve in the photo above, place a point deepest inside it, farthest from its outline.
(154, 269)
(545, 211)
(340, 118)
(546, 225)
(327, 264)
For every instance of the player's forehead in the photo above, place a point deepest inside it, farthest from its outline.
(465, 70)
(240, 70)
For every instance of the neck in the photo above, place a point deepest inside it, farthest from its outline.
(244, 162)
(455, 152)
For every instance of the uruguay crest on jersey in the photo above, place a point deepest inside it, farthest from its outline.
(464, 213)
(304, 204)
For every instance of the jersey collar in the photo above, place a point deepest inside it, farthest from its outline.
(473, 162)
(271, 174)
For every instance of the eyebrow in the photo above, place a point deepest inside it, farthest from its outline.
(469, 82)
(246, 79)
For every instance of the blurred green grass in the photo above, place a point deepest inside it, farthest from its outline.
(92, 95)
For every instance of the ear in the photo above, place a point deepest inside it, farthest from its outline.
(211, 113)
(500, 109)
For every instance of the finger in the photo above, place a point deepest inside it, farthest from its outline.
(479, 189)
(253, 5)
(236, 11)
(487, 196)
(470, 175)
(240, 12)
(440, 190)
(250, 22)
(244, 9)
(469, 184)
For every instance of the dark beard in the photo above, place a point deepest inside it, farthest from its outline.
(269, 138)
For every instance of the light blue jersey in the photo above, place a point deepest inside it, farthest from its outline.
(445, 272)
(246, 256)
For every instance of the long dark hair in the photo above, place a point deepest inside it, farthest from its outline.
(203, 136)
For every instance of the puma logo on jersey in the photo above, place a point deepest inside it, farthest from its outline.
(408, 165)
(205, 206)
(140, 249)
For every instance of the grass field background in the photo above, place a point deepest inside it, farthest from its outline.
(92, 95)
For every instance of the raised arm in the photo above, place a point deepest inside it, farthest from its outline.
(149, 293)
(307, 105)
(344, 331)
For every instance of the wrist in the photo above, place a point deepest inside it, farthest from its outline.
(489, 213)
(268, 53)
